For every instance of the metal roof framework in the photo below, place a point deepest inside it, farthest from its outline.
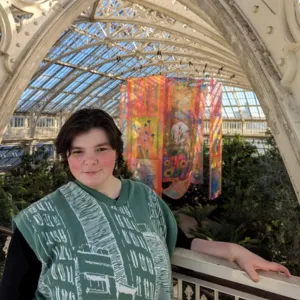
(114, 40)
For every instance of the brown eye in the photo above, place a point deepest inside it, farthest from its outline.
(101, 149)
(77, 152)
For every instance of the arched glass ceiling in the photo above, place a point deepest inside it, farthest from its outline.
(241, 104)
(114, 40)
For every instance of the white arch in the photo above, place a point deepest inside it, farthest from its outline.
(22, 65)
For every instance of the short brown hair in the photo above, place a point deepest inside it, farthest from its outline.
(83, 121)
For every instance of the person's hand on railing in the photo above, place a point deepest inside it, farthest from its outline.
(247, 261)
(251, 263)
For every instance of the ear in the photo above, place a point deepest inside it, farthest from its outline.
(116, 160)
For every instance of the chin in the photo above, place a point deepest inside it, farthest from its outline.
(93, 183)
(90, 184)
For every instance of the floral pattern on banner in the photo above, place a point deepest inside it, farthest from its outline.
(181, 142)
(145, 122)
(215, 140)
(164, 132)
(197, 175)
(124, 114)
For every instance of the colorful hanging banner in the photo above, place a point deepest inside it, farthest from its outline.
(145, 124)
(163, 124)
(197, 175)
(215, 140)
(182, 110)
(123, 115)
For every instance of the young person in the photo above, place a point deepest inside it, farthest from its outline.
(101, 236)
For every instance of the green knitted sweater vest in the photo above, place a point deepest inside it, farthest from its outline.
(93, 247)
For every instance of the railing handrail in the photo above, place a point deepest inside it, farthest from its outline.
(6, 231)
(227, 271)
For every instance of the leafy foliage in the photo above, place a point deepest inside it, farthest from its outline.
(34, 178)
(8, 210)
(258, 208)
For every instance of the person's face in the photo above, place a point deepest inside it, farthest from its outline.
(91, 159)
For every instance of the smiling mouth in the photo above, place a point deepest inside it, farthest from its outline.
(92, 172)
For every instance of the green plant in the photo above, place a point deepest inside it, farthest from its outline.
(34, 178)
(257, 209)
(8, 210)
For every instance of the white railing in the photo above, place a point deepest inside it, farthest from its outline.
(200, 277)
(243, 128)
(17, 133)
(44, 133)
(23, 133)
(229, 127)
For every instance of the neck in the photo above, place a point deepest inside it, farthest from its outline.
(111, 187)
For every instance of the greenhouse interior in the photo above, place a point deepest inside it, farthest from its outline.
(197, 102)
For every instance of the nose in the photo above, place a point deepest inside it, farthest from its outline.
(91, 161)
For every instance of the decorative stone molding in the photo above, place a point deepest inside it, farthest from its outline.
(20, 21)
(289, 15)
(24, 44)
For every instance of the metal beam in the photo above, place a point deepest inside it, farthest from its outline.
(180, 45)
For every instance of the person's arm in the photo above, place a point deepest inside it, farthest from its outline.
(182, 240)
(21, 272)
(218, 249)
(247, 260)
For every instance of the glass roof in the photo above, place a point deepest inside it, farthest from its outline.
(90, 60)
(11, 156)
(240, 104)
